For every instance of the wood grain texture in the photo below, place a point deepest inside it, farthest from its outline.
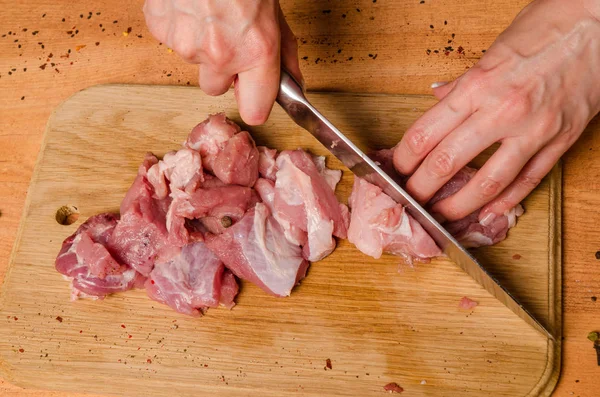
(375, 325)
(402, 43)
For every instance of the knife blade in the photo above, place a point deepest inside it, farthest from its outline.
(292, 99)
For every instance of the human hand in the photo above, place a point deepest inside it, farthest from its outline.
(534, 92)
(244, 41)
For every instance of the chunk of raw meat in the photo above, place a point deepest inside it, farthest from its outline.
(177, 170)
(379, 224)
(266, 190)
(266, 162)
(306, 200)
(469, 231)
(141, 237)
(85, 259)
(467, 304)
(191, 281)
(229, 289)
(217, 202)
(332, 177)
(256, 250)
(237, 162)
(209, 137)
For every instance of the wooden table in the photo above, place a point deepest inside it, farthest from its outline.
(51, 49)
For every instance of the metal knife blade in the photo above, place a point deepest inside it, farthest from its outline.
(292, 99)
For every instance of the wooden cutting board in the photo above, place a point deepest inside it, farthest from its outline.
(377, 322)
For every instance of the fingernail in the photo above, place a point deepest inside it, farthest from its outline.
(487, 219)
(438, 84)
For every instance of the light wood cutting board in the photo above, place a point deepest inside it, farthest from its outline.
(376, 324)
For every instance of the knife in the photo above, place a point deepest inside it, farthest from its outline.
(292, 99)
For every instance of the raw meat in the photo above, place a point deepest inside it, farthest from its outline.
(216, 202)
(141, 237)
(266, 162)
(466, 303)
(237, 162)
(229, 289)
(86, 260)
(209, 137)
(191, 281)
(469, 231)
(305, 199)
(379, 224)
(266, 190)
(177, 170)
(332, 177)
(256, 250)
(388, 232)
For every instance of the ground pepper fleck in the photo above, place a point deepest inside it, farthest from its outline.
(59, 319)
(122, 325)
(43, 66)
(328, 364)
(21, 350)
(594, 299)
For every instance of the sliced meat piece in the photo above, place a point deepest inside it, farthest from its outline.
(305, 199)
(85, 259)
(467, 303)
(266, 190)
(229, 289)
(266, 162)
(209, 137)
(218, 202)
(237, 163)
(379, 224)
(141, 235)
(332, 177)
(177, 170)
(256, 250)
(469, 231)
(189, 282)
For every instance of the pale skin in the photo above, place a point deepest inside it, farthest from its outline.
(533, 92)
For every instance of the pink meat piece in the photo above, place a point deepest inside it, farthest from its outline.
(266, 190)
(177, 170)
(141, 237)
(218, 202)
(256, 250)
(306, 200)
(189, 282)
(469, 231)
(87, 261)
(237, 162)
(379, 224)
(332, 177)
(266, 162)
(229, 289)
(467, 304)
(209, 137)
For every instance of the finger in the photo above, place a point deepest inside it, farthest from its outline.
(489, 181)
(289, 49)
(452, 154)
(182, 38)
(442, 88)
(429, 130)
(257, 88)
(212, 82)
(528, 179)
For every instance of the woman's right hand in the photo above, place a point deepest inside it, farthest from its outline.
(233, 41)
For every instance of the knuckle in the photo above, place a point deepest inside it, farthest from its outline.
(517, 105)
(490, 187)
(529, 182)
(416, 140)
(441, 163)
(185, 48)
(217, 52)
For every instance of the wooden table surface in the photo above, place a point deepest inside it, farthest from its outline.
(51, 49)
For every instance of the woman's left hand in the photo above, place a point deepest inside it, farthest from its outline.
(534, 92)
